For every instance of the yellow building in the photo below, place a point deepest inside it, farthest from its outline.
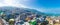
(53, 21)
(50, 20)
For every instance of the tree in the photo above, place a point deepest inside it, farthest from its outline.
(44, 23)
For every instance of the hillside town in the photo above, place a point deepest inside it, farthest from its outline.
(25, 17)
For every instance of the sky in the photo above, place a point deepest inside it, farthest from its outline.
(46, 6)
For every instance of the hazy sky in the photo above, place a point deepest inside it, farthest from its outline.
(47, 6)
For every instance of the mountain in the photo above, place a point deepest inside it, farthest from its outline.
(35, 11)
(8, 11)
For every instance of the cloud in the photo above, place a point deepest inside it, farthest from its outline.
(26, 0)
(15, 5)
(1, 0)
(12, 3)
(40, 9)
